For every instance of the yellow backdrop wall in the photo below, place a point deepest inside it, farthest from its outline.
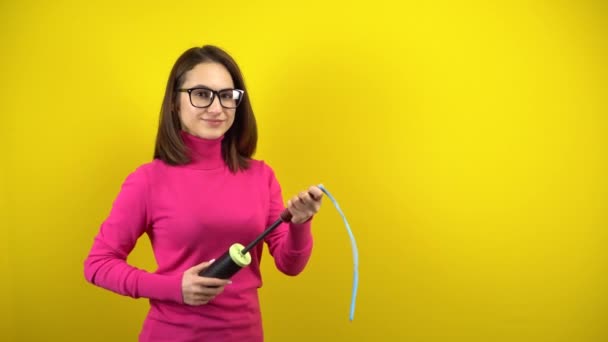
(465, 141)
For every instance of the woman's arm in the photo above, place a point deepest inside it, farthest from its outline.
(106, 266)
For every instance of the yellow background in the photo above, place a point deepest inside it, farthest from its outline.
(465, 141)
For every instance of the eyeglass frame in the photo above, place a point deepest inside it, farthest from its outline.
(214, 94)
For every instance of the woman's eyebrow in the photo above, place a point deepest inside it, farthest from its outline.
(206, 87)
(200, 86)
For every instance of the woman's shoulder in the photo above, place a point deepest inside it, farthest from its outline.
(149, 166)
(146, 170)
(260, 166)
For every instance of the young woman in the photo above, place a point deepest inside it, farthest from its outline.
(201, 193)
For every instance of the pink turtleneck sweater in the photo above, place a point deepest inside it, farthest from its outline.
(194, 213)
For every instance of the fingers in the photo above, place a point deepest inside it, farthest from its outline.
(197, 290)
(202, 300)
(205, 296)
(210, 291)
(197, 268)
(305, 204)
(210, 282)
(316, 193)
(196, 293)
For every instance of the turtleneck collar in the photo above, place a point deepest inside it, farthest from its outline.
(204, 154)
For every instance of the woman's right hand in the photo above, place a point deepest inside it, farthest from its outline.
(197, 290)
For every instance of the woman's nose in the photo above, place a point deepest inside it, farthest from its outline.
(215, 106)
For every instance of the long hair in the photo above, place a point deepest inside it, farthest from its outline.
(239, 141)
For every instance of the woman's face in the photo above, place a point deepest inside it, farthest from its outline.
(211, 122)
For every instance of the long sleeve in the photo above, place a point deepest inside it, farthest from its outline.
(106, 265)
(290, 244)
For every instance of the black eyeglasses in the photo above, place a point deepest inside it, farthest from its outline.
(201, 97)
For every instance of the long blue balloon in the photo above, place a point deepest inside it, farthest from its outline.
(353, 244)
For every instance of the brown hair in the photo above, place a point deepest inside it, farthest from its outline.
(240, 140)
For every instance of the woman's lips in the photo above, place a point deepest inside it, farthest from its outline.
(213, 123)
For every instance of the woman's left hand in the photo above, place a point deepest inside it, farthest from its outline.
(303, 206)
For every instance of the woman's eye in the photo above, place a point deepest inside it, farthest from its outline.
(205, 94)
